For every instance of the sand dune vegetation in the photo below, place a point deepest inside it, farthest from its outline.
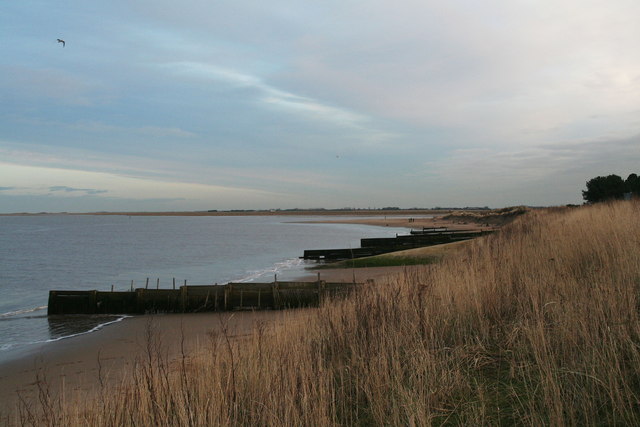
(489, 217)
(535, 325)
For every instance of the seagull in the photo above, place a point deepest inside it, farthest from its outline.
(61, 41)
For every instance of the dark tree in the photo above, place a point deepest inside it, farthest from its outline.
(632, 184)
(603, 188)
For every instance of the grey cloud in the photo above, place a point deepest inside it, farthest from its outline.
(540, 174)
(86, 191)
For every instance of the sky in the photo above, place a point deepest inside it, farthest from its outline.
(197, 105)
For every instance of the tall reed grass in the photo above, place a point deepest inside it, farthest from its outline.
(536, 325)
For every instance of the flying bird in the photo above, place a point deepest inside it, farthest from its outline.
(61, 41)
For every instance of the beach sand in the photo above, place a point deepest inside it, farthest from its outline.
(77, 365)
(416, 223)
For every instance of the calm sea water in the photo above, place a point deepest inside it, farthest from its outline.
(41, 253)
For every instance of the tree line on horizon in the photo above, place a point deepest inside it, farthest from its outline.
(611, 187)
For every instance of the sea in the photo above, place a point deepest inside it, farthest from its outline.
(39, 253)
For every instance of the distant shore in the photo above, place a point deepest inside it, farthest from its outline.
(269, 212)
(408, 218)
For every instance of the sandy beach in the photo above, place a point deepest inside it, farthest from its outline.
(79, 364)
(415, 223)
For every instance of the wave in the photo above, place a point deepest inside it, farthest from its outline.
(94, 329)
(286, 265)
(24, 311)
(23, 344)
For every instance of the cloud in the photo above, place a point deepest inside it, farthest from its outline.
(489, 71)
(260, 177)
(156, 131)
(268, 95)
(165, 132)
(252, 101)
(96, 185)
(86, 191)
(51, 84)
(540, 174)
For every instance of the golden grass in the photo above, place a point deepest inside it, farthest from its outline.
(536, 325)
(493, 216)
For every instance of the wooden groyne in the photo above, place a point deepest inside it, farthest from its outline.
(190, 299)
(383, 245)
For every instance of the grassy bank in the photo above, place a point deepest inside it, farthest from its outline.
(538, 324)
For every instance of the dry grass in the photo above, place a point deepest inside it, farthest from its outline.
(536, 325)
(496, 217)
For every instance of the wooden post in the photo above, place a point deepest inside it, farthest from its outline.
(146, 286)
(158, 283)
(216, 302)
(111, 288)
(259, 307)
(276, 296)
(174, 283)
(132, 286)
(277, 290)
(241, 292)
(94, 309)
(140, 301)
(52, 307)
(227, 290)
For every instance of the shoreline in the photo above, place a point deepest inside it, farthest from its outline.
(432, 221)
(292, 212)
(79, 364)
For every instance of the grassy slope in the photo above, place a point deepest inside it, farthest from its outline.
(536, 325)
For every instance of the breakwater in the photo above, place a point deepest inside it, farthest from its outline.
(383, 245)
(190, 299)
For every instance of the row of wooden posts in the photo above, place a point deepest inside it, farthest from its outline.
(186, 299)
(383, 245)
(146, 286)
